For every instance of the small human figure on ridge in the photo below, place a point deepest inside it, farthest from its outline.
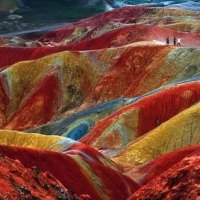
(179, 41)
(175, 41)
(167, 41)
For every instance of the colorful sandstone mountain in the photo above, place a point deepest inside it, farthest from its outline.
(41, 90)
(105, 106)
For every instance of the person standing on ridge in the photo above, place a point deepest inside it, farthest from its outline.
(175, 41)
(167, 41)
(179, 41)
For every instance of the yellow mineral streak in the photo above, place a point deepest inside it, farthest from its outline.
(15, 138)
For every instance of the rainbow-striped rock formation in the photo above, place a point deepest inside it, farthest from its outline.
(103, 109)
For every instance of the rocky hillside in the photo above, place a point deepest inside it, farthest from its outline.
(105, 106)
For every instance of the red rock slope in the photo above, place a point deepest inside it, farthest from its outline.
(181, 181)
(18, 182)
(146, 173)
(80, 173)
